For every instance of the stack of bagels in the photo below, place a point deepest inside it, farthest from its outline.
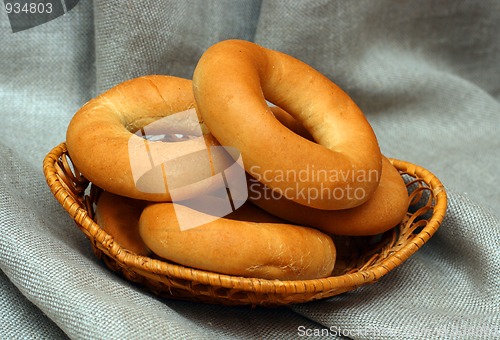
(312, 164)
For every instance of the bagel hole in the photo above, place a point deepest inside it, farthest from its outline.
(169, 137)
(178, 127)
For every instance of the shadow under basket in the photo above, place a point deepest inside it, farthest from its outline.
(360, 260)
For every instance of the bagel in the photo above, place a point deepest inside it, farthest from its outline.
(249, 242)
(119, 217)
(108, 142)
(231, 83)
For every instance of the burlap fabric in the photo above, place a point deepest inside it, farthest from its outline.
(426, 73)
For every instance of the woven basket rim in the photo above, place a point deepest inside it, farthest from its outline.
(154, 267)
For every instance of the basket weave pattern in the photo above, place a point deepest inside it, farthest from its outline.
(360, 260)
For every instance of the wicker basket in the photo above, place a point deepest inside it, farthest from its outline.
(361, 260)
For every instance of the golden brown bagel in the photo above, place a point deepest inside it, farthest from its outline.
(119, 217)
(249, 242)
(108, 143)
(384, 210)
(231, 83)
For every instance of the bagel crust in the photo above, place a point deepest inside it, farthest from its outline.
(248, 242)
(231, 83)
